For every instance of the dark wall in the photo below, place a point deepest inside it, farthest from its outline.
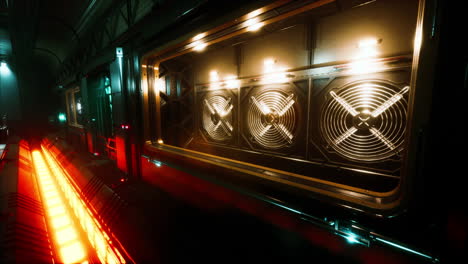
(37, 100)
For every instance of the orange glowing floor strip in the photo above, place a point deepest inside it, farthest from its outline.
(70, 247)
(55, 195)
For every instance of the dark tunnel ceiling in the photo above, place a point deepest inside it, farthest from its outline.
(46, 31)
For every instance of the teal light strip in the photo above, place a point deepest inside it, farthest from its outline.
(405, 248)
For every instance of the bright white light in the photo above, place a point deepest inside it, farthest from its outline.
(199, 46)
(345, 135)
(273, 73)
(364, 66)
(351, 238)
(371, 42)
(261, 106)
(214, 77)
(232, 81)
(160, 141)
(367, 48)
(268, 65)
(4, 69)
(199, 36)
(343, 103)
(160, 84)
(78, 107)
(382, 138)
(254, 13)
(253, 24)
(390, 102)
(366, 95)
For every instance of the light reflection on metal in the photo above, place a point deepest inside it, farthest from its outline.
(273, 73)
(387, 104)
(364, 66)
(365, 120)
(160, 84)
(254, 13)
(253, 24)
(363, 59)
(214, 76)
(271, 119)
(343, 103)
(352, 238)
(199, 36)
(64, 233)
(97, 237)
(393, 244)
(368, 48)
(199, 45)
(217, 113)
(345, 135)
(229, 81)
(382, 138)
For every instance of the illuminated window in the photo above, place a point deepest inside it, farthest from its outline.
(75, 108)
(321, 95)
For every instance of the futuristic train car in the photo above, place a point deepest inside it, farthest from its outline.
(262, 131)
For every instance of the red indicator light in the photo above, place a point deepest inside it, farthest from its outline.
(96, 153)
(122, 180)
(126, 127)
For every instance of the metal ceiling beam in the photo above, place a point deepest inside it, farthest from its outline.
(123, 13)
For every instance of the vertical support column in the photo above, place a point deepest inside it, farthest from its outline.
(118, 92)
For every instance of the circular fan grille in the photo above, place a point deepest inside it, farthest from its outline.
(271, 119)
(217, 117)
(365, 120)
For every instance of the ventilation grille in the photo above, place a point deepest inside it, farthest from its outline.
(271, 119)
(365, 120)
(217, 117)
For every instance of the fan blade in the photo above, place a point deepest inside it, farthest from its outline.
(261, 106)
(216, 126)
(286, 108)
(343, 103)
(345, 135)
(382, 138)
(265, 130)
(390, 102)
(226, 126)
(217, 108)
(284, 132)
(209, 107)
(226, 111)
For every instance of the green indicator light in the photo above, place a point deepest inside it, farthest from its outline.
(62, 117)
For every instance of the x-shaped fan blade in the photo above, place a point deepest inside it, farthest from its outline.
(379, 110)
(215, 109)
(264, 109)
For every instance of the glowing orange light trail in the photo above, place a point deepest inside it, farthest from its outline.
(70, 247)
(58, 192)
